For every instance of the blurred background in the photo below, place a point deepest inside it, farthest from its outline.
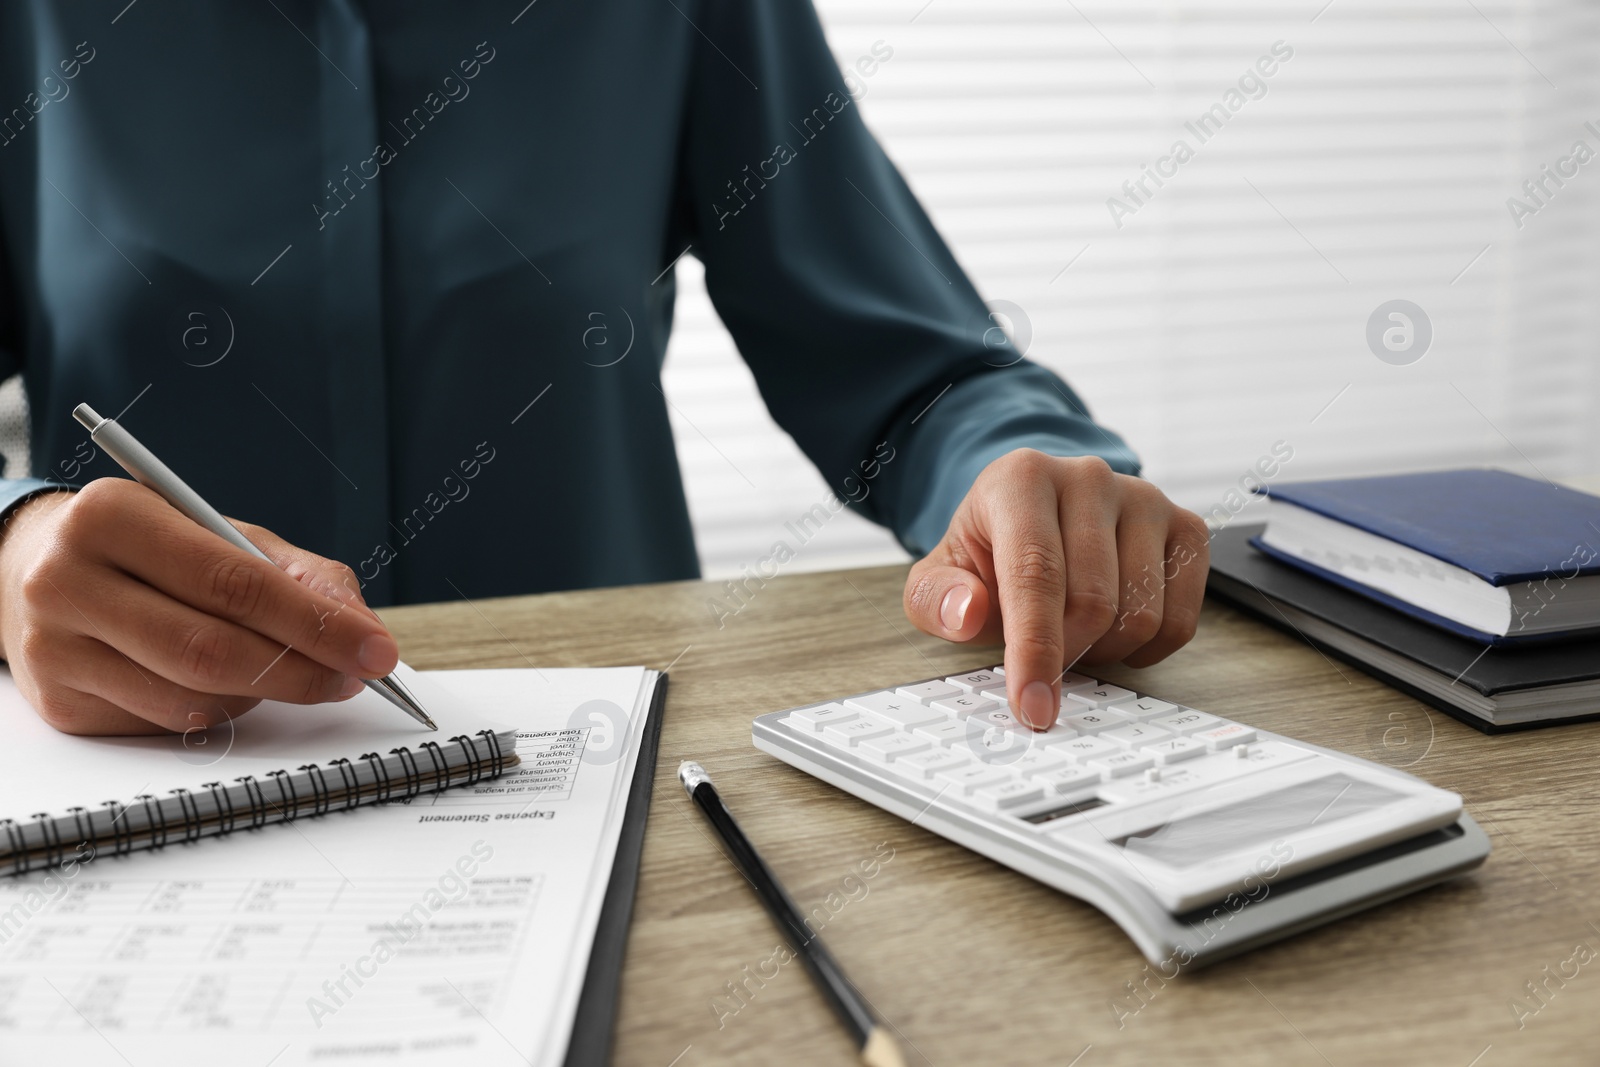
(1223, 313)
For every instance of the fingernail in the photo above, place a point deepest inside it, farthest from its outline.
(1038, 705)
(953, 609)
(350, 687)
(378, 654)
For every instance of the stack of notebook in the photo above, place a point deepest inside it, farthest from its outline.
(1477, 591)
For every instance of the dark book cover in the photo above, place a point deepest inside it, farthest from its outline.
(1500, 526)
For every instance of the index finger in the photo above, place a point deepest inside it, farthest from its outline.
(1030, 572)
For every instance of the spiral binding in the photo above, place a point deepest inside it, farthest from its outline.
(87, 834)
(223, 805)
(319, 788)
(121, 832)
(470, 749)
(494, 744)
(441, 766)
(413, 776)
(380, 776)
(351, 783)
(258, 802)
(191, 815)
(153, 818)
(482, 754)
(286, 792)
(47, 830)
(19, 863)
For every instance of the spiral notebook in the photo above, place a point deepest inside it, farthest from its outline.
(65, 798)
(484, 924)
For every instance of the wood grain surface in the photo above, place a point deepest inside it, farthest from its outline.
(972, 963)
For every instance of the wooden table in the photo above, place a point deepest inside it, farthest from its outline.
(974, 964)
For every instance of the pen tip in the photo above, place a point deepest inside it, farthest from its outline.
(431, 724)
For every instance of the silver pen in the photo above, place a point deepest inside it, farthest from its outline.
(150, 472)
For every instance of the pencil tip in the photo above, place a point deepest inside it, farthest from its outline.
(880, 1050)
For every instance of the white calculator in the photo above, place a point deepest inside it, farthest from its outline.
(1199, 836)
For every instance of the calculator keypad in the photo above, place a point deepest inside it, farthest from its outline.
(958, 736)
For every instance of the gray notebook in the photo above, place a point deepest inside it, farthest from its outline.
(1492, 688)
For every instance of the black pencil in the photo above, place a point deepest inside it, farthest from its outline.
(877, 1048)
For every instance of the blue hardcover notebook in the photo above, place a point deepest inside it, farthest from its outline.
(1504, 529)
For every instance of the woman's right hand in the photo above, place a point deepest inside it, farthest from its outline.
(119, 615)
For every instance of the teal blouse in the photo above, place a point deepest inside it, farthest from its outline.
(342, 264)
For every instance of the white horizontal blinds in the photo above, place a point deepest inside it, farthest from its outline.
(1230, 307)
(747, 479)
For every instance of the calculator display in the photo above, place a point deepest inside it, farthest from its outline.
(1260, 819)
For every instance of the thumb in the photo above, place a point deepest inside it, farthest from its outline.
(318, 573)
(946, 601)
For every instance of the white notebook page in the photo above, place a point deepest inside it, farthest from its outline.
(454, 928)
(42, 769)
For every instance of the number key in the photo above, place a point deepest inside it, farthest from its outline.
(1144, 708)
(966, 705)
(1098, 696)
(998, 717)
(978, 682)
(1092, 722)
